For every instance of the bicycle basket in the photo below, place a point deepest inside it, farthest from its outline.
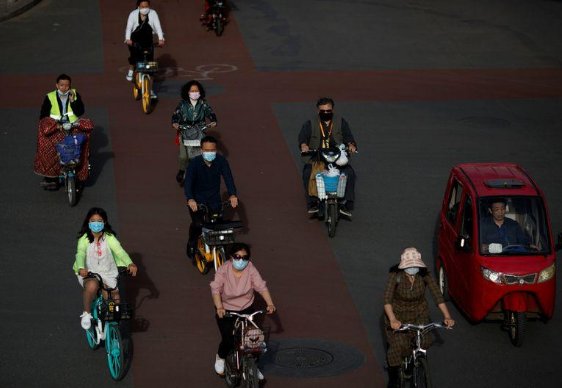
(70, 148)
(147, 67)
(192, 132)
(116, 312)
(218, 237)
(253, 339)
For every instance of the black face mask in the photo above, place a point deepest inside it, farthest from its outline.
(326, 116)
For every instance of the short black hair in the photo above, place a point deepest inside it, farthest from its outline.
(497, 200)
(209, 139)
(324, 101)
(240, 246)
(64, 77)
(185, 89)
(142, 1)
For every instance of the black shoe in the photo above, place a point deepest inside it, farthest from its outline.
(345, 211)
(180, 176)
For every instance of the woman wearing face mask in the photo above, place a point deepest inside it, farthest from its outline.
(192, 110)
(404, 302)
(233, 289)
(142, 24)
(100, 252)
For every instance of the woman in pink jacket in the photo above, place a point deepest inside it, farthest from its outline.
(233, 290)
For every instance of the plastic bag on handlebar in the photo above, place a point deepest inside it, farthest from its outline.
(70, 148)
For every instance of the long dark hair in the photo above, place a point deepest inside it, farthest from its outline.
(185, 89)
(240, 246)
(85, 230)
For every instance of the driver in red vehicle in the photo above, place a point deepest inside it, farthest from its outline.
(499, 231)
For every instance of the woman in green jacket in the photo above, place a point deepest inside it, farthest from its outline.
(100, 252)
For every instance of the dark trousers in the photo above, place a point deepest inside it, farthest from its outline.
(136, 53)
(195, 228)
(226, 328)
(349, 188)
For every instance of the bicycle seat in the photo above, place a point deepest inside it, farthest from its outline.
(223, 225)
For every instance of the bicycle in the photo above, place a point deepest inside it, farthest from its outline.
(106, 315)
(215, 234)
(241, 366)
(142, 80)
(69, 152)
(414, 368)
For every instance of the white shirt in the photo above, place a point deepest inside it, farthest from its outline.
(153, 21)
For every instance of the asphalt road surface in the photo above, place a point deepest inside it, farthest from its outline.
(424, 84)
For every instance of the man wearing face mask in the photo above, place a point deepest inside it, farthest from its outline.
(63, 103)
(142, 23)
(193, 110)
(324, 131)
(202, 185)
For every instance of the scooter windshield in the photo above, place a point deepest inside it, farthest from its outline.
(513, 225)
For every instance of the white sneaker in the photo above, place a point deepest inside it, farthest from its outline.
(219, 365)
(153, 95)
(86, 321)
(260, 375)
(129, 76)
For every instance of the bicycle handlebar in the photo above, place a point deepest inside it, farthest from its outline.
(205, 208)
(312, 152)
(422, 328)
(249, 317)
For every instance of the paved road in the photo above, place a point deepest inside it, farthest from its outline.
(425, 85)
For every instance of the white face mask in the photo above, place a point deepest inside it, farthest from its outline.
(63, 94)
(194, 95)
(144, 11)
(412, 270)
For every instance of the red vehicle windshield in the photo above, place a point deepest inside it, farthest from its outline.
(513, 225)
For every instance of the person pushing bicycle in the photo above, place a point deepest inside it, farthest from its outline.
(404, 301)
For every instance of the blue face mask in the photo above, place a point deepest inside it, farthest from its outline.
(412, 270)
(96, 226)
(240, 264)
(209, 156)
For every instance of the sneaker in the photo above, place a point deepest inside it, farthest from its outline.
(312, 209)
(219, 365)
(153, 95)
(260, 375)
(345, 211)
(129, 76)
(86, 320)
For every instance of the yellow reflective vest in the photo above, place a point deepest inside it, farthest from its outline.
(55, 109)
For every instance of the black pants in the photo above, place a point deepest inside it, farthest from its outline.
(136, 53)
(195, 227)
(349, 188)
(226, 328)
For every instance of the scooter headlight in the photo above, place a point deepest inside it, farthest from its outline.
(547, 274)
(494, 277)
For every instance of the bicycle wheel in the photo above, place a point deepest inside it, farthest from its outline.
(92, 336)
(516, 323)
(332, 219)
(146, 94)
(71, 189)
(114, 349)
(444, 283)
(219, 26)
(421, 377)
(231, 376)
(220, 257)
(249, 373)
(200, 260)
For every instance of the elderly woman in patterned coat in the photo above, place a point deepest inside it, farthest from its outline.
(405, 302)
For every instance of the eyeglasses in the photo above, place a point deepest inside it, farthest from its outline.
(238, 257)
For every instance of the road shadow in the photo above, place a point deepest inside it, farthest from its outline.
(99, 141)
(168, 68)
